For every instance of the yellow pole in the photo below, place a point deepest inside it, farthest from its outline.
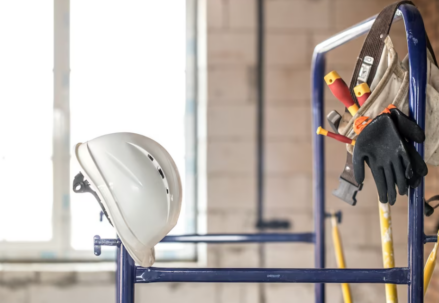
(340, 258)
(429, 265)
(387, 248)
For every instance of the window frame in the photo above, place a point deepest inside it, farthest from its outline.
(59, 248)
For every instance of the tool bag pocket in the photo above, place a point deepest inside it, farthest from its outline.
(388, 79)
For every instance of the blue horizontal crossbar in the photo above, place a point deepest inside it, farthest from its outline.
(255, 275)
(242, 238)
(430, 239)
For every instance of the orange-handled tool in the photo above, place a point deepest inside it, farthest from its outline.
(344, 139)
(362, 92)
(341, 91)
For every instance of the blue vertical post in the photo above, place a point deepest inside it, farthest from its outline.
(416, 41)
(125, 276)
(318, 70)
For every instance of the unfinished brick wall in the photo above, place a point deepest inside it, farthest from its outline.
(430, 13)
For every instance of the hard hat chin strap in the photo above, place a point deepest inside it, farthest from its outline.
(80, 185)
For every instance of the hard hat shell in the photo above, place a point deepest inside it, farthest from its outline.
(139, 186)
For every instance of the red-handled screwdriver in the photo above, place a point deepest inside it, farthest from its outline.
(341, 91)
(341, 138)
(362, 92)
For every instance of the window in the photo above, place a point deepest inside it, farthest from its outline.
(127, 73)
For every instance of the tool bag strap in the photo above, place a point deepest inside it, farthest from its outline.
(374, 44)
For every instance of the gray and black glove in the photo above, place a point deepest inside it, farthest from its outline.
(383, 145)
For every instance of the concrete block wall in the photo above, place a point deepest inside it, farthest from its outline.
(430, 13)
(293, 28)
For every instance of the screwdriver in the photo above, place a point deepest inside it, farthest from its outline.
(362, 92)
(341, 138)
(341, 91)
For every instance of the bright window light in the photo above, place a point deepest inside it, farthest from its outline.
(127, 75)
(26, 119)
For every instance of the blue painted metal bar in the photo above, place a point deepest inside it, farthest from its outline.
(430, 239)
(226, 238)
(417, 47)
(125, 276)
(258, 275)
(318, 72)
(238, 238)
(242, 238)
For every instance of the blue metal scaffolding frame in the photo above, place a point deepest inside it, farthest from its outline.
(128, 273)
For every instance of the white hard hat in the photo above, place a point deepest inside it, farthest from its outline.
(138, 185)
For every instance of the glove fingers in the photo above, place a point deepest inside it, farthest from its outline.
(358, 163)
(418, 164)
(407, 165)
(415, 180)
(380, 182)
(407, 127)
(401, 181)
(390, 184)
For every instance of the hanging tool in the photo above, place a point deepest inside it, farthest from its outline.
(430, 264)
(347, 297)
(341, 91)
(334, 119)
(383, 145)
(348, 187)
(362, 92)
(387, 248)
(384, 208)
(341, 138)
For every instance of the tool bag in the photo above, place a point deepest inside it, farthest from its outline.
(388, 78)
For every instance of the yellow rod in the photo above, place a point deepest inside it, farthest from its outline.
(387, 248)
(347, 297)
(429, 265)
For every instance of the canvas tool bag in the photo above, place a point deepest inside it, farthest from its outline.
(388, 78)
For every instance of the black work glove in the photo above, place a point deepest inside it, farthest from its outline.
(408, 129)
(392, 160)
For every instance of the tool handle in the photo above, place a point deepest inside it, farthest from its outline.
(341, 91)
(429, 266)
(341, 138)
(362, 92)
(387, 248)
(339, 255)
